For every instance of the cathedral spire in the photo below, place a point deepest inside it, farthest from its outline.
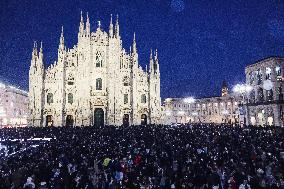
(35, 49)
(111, 27)
(156, 55)
(116, 28)
(151, 70)
(34, 53)
(81, 28)
(61, 45)
(99, 24)
(134, 44)
(157, 66)
(40, 56)
(40, 50)
(88, 27)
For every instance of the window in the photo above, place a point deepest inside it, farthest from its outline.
(259, 76)
(70, 98)
(99, 85)
(251, 77)
(70, 79)
(252, 96)
(278, 73)
(268, 73)
(126, 81)
(49, 98)
(280, 93)
(260, 94)
(99, 61)
(125, 98)
(143, 98)
(269, 95)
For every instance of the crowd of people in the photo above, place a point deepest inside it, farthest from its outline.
(202, 156)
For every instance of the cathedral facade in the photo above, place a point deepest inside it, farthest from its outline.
(94, 83)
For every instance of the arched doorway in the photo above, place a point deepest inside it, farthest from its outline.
(270, 120)
(49, 121)
(260, 117)
(125, 120)
(143, 119)
(69, 120)
(98, 117)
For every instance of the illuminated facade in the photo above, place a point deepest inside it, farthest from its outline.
(13, 106)
(221, 109)
(94, 83)
(265, 103)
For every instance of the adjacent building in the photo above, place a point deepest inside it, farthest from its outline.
(94, 83)
(264, 103)
(220, 109)
(13, 106)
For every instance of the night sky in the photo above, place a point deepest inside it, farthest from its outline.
(200, 42)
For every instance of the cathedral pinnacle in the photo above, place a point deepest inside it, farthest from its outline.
(151, 55)
(61, 45)
(82, 20)
(99, 24)
(156, 65)
(34, 50)
(88, 28)
(134, 44)
(111, 27)
(156, 54)
(81, 28)
(62, 31)
(116, 27)
(40, 50)
(151, 70)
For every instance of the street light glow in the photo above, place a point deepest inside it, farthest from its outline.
(168, 99)
(189, 100)
(181, 112)
(242, 88)
(194, 113)
(168, 113)
(2, 85)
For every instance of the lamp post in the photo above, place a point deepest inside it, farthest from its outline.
(243, 90)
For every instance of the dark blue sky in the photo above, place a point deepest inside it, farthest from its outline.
(200, 42)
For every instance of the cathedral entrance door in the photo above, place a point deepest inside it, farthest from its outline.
(69, 120)
(49, 121)
(143, 119)
(99, 117)
(126, 120)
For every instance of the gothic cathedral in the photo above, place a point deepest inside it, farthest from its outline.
(95, 83)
